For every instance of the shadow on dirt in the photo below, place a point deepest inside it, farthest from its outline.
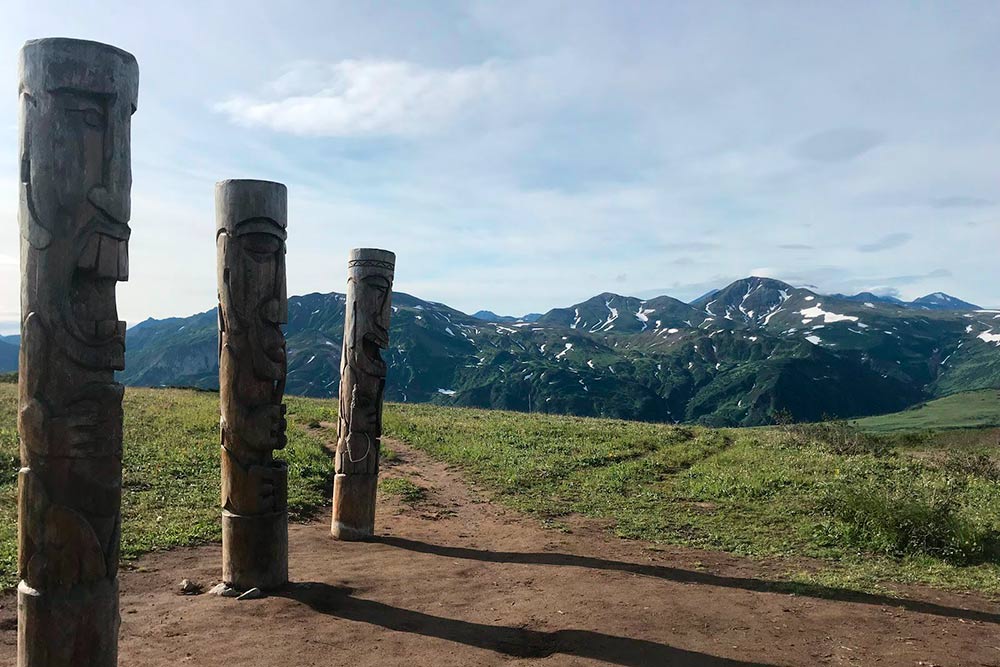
(513, 642)
(690, 577)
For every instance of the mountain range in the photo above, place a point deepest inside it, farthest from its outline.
(733, 357)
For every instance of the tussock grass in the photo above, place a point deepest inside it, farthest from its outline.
(914, 510)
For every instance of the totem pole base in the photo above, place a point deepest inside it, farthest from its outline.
(255, 550)
(354, 506)
(68, 627)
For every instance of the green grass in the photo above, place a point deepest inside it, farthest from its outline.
(875, 512)
(970, 409)
(171, 471)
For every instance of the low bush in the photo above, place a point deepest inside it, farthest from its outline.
(840, 437)
(975, 464)
(910, 511)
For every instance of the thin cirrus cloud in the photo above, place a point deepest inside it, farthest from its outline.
(887, 242)
(365, 98)
(961, 201)
(838, 145)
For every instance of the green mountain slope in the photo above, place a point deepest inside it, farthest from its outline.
(8, 357)
(970, 409)
(733, 357)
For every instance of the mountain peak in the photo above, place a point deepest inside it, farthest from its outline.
(741, 287)
(942, 301)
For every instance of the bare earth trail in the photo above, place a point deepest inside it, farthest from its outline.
(457, 580)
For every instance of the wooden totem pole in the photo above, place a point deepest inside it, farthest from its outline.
(77, 100)
(362, 383)
(251, 217)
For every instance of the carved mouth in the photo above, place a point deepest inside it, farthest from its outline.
(372, 349)
(101, 264)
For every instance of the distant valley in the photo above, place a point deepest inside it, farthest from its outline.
(736, 356)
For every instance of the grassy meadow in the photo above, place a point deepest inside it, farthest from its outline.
(967, 410)
(877, 510)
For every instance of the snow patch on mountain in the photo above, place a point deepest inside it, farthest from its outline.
(608, 324)
(989, 337)
(828, 317)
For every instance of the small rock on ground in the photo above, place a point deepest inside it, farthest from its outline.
(189, 587)
(224, 591)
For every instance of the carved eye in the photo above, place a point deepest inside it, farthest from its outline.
(93, 118)
(261, 244)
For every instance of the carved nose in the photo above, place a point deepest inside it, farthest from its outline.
(117, 204)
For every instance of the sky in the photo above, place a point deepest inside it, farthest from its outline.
(520, 156)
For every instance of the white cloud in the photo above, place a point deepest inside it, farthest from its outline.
(366, 97)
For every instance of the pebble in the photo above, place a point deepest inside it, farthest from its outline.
(224, 591)
(189, 587)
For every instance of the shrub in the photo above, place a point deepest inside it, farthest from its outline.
(977, 464)
(904, 511)
(840, 437)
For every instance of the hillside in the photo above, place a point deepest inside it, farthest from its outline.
(735, 356)
(8, 357)
(972, 409)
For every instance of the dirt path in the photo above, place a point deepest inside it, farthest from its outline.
(460, 581)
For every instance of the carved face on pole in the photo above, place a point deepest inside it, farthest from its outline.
(362, 385)
(77, 99)
(75, 180)
(369, 295)
(253, 294)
